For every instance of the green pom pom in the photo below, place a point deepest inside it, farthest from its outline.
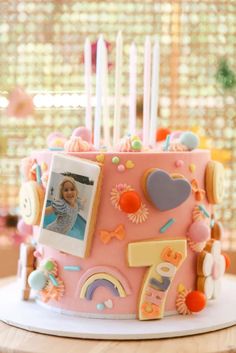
(49, 265)
(136, 145)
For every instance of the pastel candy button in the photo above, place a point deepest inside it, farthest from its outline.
(37, 280)
(190, 140)
(199, 231)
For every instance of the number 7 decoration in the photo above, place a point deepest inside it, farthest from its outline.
(164, 257)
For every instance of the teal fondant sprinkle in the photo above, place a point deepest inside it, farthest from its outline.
(38, 174)
(167, 142)
(167, 225)
(212, 223)
(204, 211)
(56, 149)
(53, 280)
(100, 306)
(72, 268)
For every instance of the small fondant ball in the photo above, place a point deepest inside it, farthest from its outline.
(100, 306)
(130, 201)
(195, 301)
(115, 160)
(199, 231)
(84, 133)
(162, 133)
(190, 140)
(23, 228)
(48, 265)
(37, 280)
(136, 145)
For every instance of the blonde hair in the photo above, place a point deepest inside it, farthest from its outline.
(65, 180)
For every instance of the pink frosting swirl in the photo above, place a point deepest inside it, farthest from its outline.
(77, 144)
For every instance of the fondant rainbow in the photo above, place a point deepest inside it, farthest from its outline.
(100, 276)
(101, 280)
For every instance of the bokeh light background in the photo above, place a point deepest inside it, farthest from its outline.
(41, 50)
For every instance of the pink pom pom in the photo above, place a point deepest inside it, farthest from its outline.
(54, 135)
(84, 133)
(199, 231)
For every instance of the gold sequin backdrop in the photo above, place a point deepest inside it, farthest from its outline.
(41, 48)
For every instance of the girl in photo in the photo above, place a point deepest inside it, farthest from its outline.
(66, 208)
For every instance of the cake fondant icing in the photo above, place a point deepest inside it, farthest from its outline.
(148, 238)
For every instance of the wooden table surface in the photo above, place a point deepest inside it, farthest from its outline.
(20, 341)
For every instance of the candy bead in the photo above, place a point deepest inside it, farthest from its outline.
(115, 160)
(130, 202)
(179, 163)
(136, 145)
(195, 301)
(37, 280)
(121, 168)
(190, 140)
(100, 306)
(199, 231)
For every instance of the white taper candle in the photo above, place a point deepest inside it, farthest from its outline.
(146, 90)
(88, 83)
(154, 92)
(106, 115)
(98, 108)
(118, 86)
(132, 88)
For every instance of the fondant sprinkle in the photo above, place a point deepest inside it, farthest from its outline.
(53, 280)
(192, 167)
(167, 225)
(204, 211)
(38, 174)
(167, 142)
(212, 223)
(72, 268)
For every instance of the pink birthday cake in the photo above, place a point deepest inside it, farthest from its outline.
(122, 233)
(125, 231)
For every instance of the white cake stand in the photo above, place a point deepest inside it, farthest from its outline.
(219, 314)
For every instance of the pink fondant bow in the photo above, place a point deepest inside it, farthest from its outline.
(199, 193)
(118, 233)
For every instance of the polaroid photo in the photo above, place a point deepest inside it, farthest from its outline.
(70, 206)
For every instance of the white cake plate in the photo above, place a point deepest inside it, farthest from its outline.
(28, 315)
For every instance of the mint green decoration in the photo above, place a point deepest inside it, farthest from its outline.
(225, 76)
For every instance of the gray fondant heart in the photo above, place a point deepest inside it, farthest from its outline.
(166, 193)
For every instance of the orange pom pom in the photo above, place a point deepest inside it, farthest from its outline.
(130, 201)
(195, 301)
(162, 133)
(227, 261)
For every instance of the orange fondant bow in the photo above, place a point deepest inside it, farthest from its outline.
(118, 233)
(199, 193)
